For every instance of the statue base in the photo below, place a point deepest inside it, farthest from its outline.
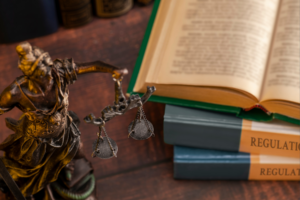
(82, 185)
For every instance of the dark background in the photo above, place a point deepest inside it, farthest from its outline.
(143, 169)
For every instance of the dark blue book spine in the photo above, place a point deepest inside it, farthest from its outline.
(21, 20)
(200, 128)
(203, 164)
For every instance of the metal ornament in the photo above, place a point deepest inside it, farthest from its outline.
(139, 129)
(104, 147)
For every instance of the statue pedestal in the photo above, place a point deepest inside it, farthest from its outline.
(82, 185)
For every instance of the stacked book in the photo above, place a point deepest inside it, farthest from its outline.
(228, 72)
(215, 145)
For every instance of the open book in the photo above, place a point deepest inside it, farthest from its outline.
(234, 53)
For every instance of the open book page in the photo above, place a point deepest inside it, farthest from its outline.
(220, 43)
(155, 42)
(160, 33)
(283, 75)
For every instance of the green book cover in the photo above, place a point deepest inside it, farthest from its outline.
(254, 114)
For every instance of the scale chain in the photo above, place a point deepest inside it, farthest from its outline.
(99, 136)
(111, 147)
(138, 116)
(146, 121)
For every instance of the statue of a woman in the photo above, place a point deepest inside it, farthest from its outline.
(46, 138)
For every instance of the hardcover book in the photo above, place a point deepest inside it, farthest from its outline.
(203, 164)
(224, 131)
(233, 59)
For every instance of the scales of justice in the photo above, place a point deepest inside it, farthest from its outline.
(43, 158)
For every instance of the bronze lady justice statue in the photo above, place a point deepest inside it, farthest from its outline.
(46, 139)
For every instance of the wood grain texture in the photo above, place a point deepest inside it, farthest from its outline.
(143, 169)
(156, 182)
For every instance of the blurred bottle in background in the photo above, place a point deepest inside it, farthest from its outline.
(75, 13)
(21, 20)
(112, 8)
(144, 2)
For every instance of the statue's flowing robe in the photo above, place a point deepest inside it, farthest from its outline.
(34, 158)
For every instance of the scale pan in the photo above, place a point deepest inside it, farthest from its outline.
(104, 150)
(141, 132)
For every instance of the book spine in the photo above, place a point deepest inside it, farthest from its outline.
(270, 139)
(22, 20)
(222, 166)
(201, 135)
(249, 137)
(211, 171)
(203, 164)
(265, 167)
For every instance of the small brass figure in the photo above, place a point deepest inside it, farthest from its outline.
(46, 138)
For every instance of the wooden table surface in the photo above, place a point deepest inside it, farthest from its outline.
(143, 169)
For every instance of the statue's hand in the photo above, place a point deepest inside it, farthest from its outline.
(119, 73)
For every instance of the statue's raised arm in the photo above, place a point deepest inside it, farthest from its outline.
(99, 66)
